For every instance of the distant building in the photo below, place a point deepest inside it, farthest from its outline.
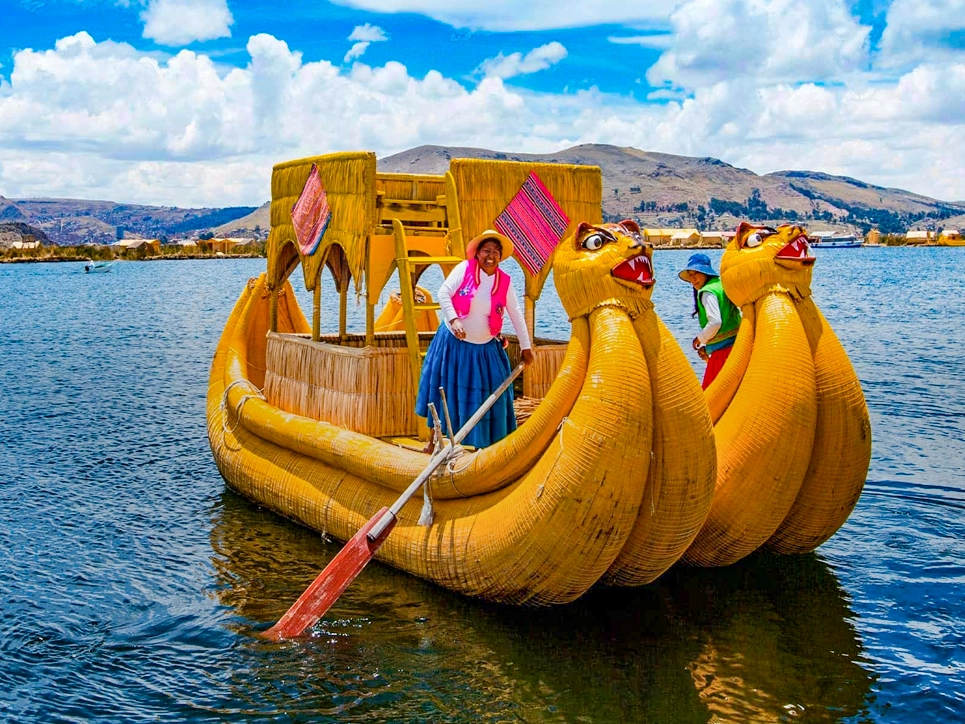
(716, 238)
(918, 236)
(223, 246)
(672, 237)
(27, 242)
(139, 248)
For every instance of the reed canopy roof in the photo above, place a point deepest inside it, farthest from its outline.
(483, 189)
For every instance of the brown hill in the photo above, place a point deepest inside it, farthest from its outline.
(659, 189)
(79, 221)
(656, 189)
(254, 225)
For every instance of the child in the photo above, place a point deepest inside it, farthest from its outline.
(718, 317)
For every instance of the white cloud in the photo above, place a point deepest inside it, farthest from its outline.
(915, 29)
(180, 22)
(104, 120)
(524, 14)
(770, 40)
(509, 66)
(368, 33)
(364, 35)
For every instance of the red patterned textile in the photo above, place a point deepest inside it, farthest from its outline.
(535, 223)
(310, 214)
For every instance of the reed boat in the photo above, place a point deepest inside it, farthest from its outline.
(609, 479)
(791, 424)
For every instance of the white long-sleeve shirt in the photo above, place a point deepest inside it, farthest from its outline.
(476, 323)
(712, 309)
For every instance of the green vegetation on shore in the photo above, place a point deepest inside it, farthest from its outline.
(108, 253)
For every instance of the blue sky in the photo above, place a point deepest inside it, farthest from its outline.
(190, 102)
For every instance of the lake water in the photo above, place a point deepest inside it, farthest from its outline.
(133, 584)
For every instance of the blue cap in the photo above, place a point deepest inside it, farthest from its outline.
(699, 263)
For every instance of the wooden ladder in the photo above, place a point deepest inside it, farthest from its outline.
(407, 265)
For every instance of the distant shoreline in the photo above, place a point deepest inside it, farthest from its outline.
(170, 257)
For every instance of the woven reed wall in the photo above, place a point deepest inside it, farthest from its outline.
(365, 389)
(484, 188)
(349, 182)
(410, 186)
(548, 357)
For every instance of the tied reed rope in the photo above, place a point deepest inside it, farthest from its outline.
(241, 403)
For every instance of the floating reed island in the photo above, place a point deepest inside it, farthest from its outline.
(622, 466)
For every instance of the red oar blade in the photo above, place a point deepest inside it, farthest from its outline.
(332, 582)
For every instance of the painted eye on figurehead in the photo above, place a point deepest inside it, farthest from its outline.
(594, 242)
(753, 240)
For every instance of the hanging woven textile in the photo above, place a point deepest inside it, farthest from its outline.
(310, 214)
(534, 222)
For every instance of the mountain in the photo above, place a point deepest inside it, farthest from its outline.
(10, 212)
(663, 190)
(73, 221)
(656, 189)
(256, 224)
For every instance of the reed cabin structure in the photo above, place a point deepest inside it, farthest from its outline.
(387, 229)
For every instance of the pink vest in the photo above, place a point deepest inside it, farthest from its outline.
(462, 299)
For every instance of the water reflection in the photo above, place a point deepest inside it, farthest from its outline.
(769, 639)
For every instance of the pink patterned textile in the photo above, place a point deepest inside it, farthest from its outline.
(310, 214)
(535, 223)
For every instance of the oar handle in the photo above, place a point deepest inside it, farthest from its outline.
(441, 455)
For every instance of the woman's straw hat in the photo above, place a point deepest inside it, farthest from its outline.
(504, 242)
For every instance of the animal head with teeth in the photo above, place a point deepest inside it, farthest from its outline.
(601, 264)
(762, 259)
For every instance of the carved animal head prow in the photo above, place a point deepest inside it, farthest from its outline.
(604, 264)
(760, 259)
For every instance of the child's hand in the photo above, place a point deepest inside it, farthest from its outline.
(702, 353)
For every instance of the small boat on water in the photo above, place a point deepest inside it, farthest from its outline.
(834, 240)
(98, 267)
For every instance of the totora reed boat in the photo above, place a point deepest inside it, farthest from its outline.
(612, 475)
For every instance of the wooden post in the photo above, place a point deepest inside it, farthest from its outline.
(273, 310)
(317, 309)
(529, 315)
(369, 322)
(342, 311)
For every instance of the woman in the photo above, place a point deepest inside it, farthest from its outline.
(467, 356)
(718, 317)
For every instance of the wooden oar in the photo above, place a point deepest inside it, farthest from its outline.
(325, 590)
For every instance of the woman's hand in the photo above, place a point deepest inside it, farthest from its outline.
(528, 357)
(696, 343)
(457, 329)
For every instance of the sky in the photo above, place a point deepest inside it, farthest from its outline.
(190, 102)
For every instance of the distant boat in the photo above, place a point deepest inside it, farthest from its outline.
(98, 267)
(834, 240)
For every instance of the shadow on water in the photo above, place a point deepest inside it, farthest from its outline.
(769, 639)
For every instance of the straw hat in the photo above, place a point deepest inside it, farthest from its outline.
(698, 263)
(504, 241)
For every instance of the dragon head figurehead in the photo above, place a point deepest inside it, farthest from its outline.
(761, 259)
(603, 265)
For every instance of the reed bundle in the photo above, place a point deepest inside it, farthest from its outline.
(484, 188)
(410, 186)
(349, 183)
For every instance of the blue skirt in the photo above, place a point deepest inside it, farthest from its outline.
(469, 373)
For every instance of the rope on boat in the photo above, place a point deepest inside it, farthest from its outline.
(241, 403)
